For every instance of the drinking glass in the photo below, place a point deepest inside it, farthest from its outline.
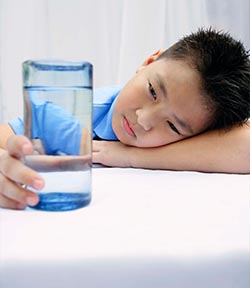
(58, 121)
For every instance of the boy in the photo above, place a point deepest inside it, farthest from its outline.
(197, 91)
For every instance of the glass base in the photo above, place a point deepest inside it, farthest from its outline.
(56, 201)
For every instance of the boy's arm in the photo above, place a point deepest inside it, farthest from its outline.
(214, 151)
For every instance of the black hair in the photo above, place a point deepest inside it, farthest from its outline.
(224, 66)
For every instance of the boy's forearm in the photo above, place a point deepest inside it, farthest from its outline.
(214, 151)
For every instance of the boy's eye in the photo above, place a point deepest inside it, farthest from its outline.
(152, 91)
(171, 125)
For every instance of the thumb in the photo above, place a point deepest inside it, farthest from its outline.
(19, 146)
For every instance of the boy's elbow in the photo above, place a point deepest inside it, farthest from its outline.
(244, 148)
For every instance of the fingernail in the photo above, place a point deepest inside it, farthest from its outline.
(31, 201)
(38, 184)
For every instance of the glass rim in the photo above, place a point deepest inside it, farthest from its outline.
(57, 64)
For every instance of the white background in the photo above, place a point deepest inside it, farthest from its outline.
(114, 35)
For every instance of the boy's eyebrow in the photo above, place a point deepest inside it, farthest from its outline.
(160, 83)
(185, 126)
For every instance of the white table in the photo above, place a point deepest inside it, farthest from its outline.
(143, 228)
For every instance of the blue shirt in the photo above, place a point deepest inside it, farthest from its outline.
(62, 133)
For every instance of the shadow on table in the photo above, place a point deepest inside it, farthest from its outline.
(227, 272)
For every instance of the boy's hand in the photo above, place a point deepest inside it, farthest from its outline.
(14, 175)
(111, 153)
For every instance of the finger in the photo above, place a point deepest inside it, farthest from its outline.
(99, 145)
(16, 192)
(47, 163)
(98, 158)
(95, 157)
(10, 204)
(16, 171)
(18, 146)
(95, 146)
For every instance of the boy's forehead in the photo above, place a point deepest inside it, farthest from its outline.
(166, 70)
(170, 63)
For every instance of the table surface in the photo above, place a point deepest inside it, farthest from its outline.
(142, 227)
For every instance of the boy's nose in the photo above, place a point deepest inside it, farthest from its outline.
(145, 119)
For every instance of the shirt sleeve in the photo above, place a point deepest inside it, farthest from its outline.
(17, 126)
(59, 131)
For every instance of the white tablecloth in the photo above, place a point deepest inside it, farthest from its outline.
(143, 228)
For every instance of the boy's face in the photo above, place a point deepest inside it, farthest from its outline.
(161, 104)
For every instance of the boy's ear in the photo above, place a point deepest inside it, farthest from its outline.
(150, 59)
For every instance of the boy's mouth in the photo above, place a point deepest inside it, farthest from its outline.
(128, 128)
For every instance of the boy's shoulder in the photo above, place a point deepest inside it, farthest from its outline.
(106, 95)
